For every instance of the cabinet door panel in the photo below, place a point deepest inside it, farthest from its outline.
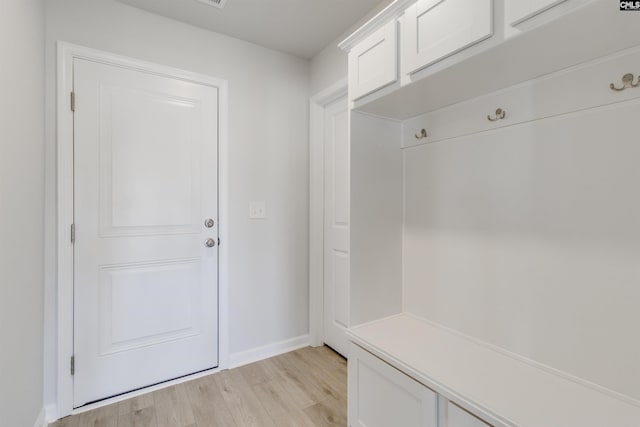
(373, 62)
(521, 10)
(435, 29)
(382, 396)
(458, 417)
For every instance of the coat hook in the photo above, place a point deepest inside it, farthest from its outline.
(627, 82)
(500, 114)
(423, 134)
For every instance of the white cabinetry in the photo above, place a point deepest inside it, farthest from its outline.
(382, 396)
(434, 29)
(458, 417)
(554, 147)
(475, 385)
(373, 63)
(526, 14)
(521, 10)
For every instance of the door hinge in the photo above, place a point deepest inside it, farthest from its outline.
(73, 233)
(73, 365)
(73, 101)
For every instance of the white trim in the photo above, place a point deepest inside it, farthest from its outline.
(65, 56)
(64, 145)
(267, 351)
(223, 229)
(390, 12)
(50, 413)
(316, 206)
(41, 421)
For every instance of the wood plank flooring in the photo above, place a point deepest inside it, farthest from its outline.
(307, 387)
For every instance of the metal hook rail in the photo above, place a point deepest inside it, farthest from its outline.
(500, 114)
(627, 82)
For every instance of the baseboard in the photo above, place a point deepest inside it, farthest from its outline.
(41, 421)
(50, 414)
(266, 351)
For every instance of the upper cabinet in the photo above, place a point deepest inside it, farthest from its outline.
(413, 47)
(373, 62)
(518, 11)
(435, 29)
(409, 36)
(527, 14)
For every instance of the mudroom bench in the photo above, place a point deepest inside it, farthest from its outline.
(406, 371)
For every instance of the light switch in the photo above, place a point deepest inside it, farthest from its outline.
(257, 210)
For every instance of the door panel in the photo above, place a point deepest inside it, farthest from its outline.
(373, 62)
(336, 225)
(458, 417)
(129, 319)
(521, 10)
(340, 288)
(435, 29)
(145, 284)
(381, 396)
(138, 144)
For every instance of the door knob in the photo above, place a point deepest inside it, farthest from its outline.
(210, 243)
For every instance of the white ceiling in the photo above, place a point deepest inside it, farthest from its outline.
(300, 27)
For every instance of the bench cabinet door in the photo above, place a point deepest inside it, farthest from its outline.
(458, 417)
(382, 396)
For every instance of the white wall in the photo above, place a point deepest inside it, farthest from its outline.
(268, 155)
(21, 200)
(327, 67)
(376, 218)
(527, 237)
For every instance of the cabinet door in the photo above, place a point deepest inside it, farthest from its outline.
(373, 63)
(520, 10)
(382, 396)
(434, 29)
(458, 417)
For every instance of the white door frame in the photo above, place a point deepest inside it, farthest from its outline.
(316, 207)
(65, 56)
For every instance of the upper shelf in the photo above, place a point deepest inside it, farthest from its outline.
(500, 388)
(589, 32)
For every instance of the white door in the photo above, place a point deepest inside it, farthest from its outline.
(145, 282)
(336, 225)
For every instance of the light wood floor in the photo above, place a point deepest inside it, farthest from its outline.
(307, 387)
